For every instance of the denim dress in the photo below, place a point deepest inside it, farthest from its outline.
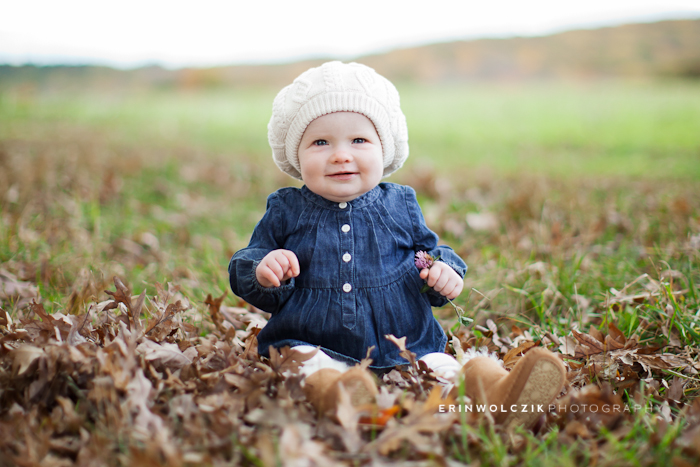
(358, 281)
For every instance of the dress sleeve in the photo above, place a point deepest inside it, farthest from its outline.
(426, 240)
(268, 235)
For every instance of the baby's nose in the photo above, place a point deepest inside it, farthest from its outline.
(341, 155)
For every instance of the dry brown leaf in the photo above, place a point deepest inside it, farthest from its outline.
(5, 318)
(298, 449)
(647, 350)
(287, 359)
(632, 342)
(663, 362)
(18, 335)
(675, 391)
(166, 354)
(589, 345)
(424, 418)
(568, 346)
(510, 358)
(16, 291)
(492, 326)
(672, 335)
(577, 429)
(405, 353)
(164, 323)
(613, 344)
(680, 462)
(553, 338)
(214, 304)
(47, 321)
(24, 356)
(616, 334)
(596, 334)
(592, 406)
(251, 345)
(398, 342)
(123, 295)
(348, 417)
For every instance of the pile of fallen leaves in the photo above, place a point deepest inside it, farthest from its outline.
(139, 380)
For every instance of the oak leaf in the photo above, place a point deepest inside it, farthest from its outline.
(24, 356)
(164, 353)
(589, 345)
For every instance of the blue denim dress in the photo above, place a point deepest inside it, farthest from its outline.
(358, 280)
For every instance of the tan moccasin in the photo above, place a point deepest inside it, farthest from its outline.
(521, 395)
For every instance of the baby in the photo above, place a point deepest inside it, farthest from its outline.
(333, 262)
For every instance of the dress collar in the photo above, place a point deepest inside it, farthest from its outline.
(357, 203)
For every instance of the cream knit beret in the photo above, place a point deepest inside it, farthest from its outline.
(337, 87)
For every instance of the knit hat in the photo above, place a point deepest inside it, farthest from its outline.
(337, 87)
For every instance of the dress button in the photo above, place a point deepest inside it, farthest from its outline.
(346, 257)
(347, 288)
(343, 205)
(345, 228)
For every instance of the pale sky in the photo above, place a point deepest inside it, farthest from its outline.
(173, 33)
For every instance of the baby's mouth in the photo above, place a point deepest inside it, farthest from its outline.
(342, 175)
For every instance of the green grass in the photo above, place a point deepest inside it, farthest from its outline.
(616, 129)
(602, 129)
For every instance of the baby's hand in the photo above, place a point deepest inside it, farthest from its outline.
(443, 279)
(276, 267)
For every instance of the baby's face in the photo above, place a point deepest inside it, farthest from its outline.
(341, 156)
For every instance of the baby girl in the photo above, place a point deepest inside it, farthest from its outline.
(333, 261)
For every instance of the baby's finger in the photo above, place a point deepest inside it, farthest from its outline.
(442, 282)
(293, 262)
(288, 274)
(451, 291)
(424, 273)
(268, 274)
(273, 265)
(458, 289)
(434, 274)
(286, 268)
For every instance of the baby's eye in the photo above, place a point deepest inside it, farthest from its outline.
(320, 142)
(359, 140)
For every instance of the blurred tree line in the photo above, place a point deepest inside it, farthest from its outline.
(645, 50)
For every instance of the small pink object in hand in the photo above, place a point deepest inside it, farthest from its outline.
(423, 260)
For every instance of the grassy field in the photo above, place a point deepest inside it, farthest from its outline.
(575, 207)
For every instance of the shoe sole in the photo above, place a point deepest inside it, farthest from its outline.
(543, 384)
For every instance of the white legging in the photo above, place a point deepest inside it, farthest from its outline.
(442, 364)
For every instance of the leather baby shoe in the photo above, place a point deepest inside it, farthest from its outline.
(322, 388)
(520, 396)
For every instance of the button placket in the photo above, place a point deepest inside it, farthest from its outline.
(347, 271)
